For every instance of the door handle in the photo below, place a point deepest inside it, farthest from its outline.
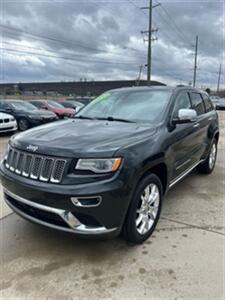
(196, 125)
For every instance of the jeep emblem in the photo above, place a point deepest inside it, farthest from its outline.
(32, 148)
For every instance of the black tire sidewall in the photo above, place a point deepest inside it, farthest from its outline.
(130, 229)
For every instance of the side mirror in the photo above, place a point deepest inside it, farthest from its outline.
(185, 116)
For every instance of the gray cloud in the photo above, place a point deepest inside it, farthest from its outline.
(110, 30)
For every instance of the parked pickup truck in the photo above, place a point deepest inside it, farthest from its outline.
(107, 171)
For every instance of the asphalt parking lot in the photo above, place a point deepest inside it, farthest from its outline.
(185, 258)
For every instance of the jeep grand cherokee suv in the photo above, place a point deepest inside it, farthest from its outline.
(107, 170)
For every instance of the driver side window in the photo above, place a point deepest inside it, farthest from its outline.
(182, 102)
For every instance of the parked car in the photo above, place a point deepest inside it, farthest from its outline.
(83, 100)
(221, 104)
(55, 107)
(26, 114)
(215, 100)
(7, 123)
(72, 104)
(107, 171)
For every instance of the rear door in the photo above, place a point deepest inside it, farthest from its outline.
(211, 121)
(200, 125)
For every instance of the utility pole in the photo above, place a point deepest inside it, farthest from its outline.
(218, 83)
(139, 75)
(196, 61)
(150, 31)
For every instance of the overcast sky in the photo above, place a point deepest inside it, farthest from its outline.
(101, 40)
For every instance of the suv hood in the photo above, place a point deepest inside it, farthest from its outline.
(82, 138)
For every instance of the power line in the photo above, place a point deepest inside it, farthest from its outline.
(138, 7)
(54, 52)
(182, 35)
(65, 42)
(68, 58)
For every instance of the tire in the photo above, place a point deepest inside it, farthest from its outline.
(23, 124)
(138, 213)
(208, 165)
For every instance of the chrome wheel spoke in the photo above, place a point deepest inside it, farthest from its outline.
(142, 227)
(153, 198)
(139, 220)
(151, 215)
(147, 193)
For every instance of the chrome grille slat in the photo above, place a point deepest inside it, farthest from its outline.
(46, 169)
(20, 163)
(35, 166)
(57, 172)
(27, 165)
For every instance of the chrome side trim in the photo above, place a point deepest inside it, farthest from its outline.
(67, 216)
(173, 182)
(183, 164)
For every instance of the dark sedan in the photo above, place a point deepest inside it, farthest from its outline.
(26, 114)
(221, 104)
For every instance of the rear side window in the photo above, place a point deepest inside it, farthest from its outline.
(197, 103)
(208, 103)
(182, 102)
(37, 104)
(4, 105)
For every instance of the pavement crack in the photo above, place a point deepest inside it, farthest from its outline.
(204, 228)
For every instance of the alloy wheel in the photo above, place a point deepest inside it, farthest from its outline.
(148, 208)
(212, 156)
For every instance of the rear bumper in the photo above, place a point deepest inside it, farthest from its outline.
(220, 107)
(67, 207)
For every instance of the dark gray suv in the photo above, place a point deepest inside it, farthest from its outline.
(106, 171)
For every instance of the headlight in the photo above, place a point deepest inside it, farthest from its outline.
(99, 165)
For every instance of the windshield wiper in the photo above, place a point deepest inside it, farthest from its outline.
(83, 117)
(115, 119)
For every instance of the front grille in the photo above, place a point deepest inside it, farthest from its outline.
(35, 166)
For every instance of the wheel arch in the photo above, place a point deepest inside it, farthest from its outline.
(216, 136)
(160, 169)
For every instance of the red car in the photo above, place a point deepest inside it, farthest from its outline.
(55, 107)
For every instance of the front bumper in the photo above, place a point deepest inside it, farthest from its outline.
(8, 127)
(55, 206)
(29, 210)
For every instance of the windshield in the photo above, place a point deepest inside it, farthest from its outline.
(134, 106)
(52, 103)
(22, 105)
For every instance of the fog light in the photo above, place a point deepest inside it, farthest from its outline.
(86, 201)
